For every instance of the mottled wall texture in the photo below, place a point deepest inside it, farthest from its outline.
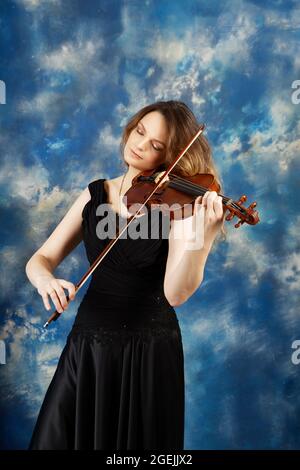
(72, 73)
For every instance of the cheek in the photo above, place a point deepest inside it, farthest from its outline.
(130, 142)
(157, 159)
(131, 137)
(157, 156)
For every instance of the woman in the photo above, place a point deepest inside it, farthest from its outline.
(119, 382)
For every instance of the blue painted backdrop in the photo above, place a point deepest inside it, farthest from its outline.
(75, 72)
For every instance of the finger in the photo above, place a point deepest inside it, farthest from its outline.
(207, 197)
(61, 294)
(197, 204)
(46, 301)
(71, 288)
(56, 301)
(204, 198)
(210, 202)
(218, 207)
(58, 296)
(198, 200)
(212, 195)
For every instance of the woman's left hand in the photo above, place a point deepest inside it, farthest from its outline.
(214, 215)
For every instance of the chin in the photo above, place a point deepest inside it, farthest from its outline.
(133, 163)
(131, 160)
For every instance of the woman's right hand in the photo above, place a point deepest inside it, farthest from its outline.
(49, 285)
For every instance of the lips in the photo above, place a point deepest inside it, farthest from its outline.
(136, 155)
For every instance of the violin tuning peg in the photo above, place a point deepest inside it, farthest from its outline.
(252, 205)
(242, 199)
(239, 223)
(229, 216)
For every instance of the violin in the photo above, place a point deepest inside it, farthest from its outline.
(164, 189)
(182, 192)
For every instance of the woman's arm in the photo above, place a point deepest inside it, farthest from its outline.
(188, 253)
(66, 236)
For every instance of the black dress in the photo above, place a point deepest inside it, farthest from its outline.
(119, 382)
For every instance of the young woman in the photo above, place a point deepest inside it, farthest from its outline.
(119, 382)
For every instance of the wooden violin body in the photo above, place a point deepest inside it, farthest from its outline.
(177, 195)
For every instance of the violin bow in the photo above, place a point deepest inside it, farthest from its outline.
(104, 252)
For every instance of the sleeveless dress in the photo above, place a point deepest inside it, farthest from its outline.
(119, 381)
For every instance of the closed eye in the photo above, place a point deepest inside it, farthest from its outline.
(155, 148)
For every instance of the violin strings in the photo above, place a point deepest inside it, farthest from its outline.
(189, 184)
(184, 184)
(193, 185)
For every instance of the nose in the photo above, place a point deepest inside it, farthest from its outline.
(141, 143)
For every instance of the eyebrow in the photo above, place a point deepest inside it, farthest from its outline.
(140, 122)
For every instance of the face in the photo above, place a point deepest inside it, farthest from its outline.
(148, 140)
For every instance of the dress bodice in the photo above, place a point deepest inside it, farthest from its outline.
(132, 267)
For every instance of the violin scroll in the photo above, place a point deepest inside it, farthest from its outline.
(245, 214)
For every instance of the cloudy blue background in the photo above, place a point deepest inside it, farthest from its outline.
(75, 71)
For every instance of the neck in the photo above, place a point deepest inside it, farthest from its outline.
(130, 174)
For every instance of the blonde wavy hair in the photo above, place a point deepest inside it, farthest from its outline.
(182, 126)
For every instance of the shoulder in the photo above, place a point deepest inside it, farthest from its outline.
(113, 183)
(94, 187)
(112, 187)
(91, 192)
